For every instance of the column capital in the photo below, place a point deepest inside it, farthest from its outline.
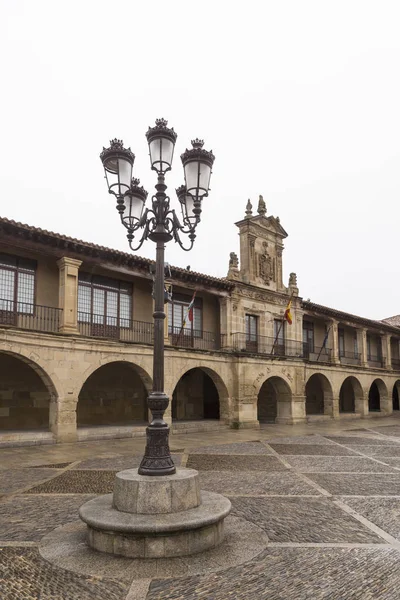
(65, 261)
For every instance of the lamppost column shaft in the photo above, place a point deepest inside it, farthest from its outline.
(159, 316)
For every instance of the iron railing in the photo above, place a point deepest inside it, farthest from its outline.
(375, 360)
(350, 358)
(24, 315)
(124, 330)
(282, 348)
(396, 364)
(194, 338)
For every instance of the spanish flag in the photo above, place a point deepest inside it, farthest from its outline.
(287, 316)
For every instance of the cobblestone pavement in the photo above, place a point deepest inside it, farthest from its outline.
(327, 499)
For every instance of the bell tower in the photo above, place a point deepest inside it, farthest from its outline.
(261, 247)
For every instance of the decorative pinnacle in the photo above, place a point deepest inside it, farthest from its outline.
(138, 190)
(198, 143)
(249, 209)
(262, 208)
(161, 127)
(116, 149)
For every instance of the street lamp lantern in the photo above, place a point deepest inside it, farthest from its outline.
(118, 164)
(132, 204)
(161, 140)
(160, 224)
(197, 164)
(190, 207)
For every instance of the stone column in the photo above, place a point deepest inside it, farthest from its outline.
(225, 316)
(68, 294)
(291, 410)
(334, 339)
(388, 350)
(363, 349)
(63, 418)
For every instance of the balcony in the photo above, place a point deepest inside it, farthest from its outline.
(375, 361)
(141, 332)
(30, 316)
(288, 349)
(123, 330)
(350, 358)
(396, 364)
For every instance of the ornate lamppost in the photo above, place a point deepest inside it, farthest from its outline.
(160, 224)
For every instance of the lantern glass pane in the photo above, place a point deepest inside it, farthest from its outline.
(112, 181)
(133, 208)
(167, 149)
(189, 206)
(155, 152)
(204, 181)
(191, 176)
(125, 175)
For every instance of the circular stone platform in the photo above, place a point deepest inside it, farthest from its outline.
(66, 547)
(155, 517)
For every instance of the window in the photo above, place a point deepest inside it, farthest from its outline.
(104, 301)
(178, 315)
(251, 332)
(17, 284)
(341, 341)
(279, 337)
(308, 336)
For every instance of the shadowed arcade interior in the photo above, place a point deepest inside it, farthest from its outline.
(24, 397)
(273, 392)
(114, 394)
(195, 397)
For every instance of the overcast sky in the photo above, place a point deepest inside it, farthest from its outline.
(300, 102)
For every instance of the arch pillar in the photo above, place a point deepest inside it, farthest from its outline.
(292, 411)
(62, 419)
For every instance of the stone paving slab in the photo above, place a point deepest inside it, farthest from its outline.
(117, 463)
(392, 461)
(362, 441)
(29, 518)
(295, 573)
(16, 479)
(309, 520)
(239, 448)
(342, 464)
(256, 483)
(378, 451)
(383, 512)
(387, 430)
(356, 484)
(78, 482)
(24, 575)
(299, 439)
(210, 462)
(52, 466)
(309, 449)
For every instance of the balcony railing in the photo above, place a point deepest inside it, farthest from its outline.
(24, 315)
(350, 358)
(194, 338)
(285, 349)
(123, 330)
(375, 361)
(396, 364)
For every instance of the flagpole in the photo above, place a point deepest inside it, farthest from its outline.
(324, 342)
(281, 325)
(186, 316)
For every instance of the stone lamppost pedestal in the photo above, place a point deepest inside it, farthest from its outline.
(155, 517)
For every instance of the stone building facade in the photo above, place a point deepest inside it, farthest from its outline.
(76, 342)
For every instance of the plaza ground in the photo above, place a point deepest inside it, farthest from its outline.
(315, 515)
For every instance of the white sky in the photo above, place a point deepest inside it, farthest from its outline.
(300, 102)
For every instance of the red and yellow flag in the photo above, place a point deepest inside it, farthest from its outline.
(288, 316)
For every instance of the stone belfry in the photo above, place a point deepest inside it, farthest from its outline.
(261, 247)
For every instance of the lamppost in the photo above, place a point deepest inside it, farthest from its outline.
(160, 224)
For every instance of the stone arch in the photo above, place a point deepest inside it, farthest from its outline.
(319, 395)
(271, 399)
(396, 395)
(351, 396)
(27, 393)
(115, 393)
(208, 394)
(377, 396)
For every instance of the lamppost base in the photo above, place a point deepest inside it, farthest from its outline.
(157, 456)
